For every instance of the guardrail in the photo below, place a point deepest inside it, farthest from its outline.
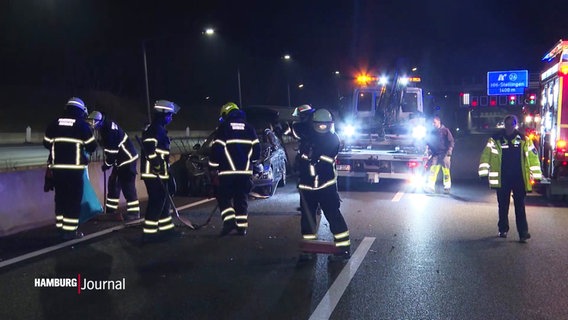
(17, 153)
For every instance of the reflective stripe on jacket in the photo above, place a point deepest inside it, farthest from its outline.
(490, 161)
(70, 140)
(236, 145)
(156, 145)
(317, 161)
(118, 149)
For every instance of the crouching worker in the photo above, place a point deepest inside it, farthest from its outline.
(235, 148)
(318, 184)
(121, 156)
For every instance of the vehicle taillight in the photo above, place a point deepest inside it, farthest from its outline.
(413, 164)
(561, 147)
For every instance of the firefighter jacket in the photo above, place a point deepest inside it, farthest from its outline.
(317, 161)
(118, 149)
(70, 140)
(490, 161)
(235, 147)
(441, 142)
(156, 145)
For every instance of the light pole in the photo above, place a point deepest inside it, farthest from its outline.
(146, 79)
(210, 32)
(287, 57)
(239, 84)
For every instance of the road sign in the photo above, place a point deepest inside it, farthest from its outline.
(507, 82)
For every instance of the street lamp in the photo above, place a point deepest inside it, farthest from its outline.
(210, 32)
(287, 57)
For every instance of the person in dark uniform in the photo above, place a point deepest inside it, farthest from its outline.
(233, 153)
(299, 128)
(318, 183)
(510, 162)
(155, 167)
(121, 156)
(70, 140)
(440, 145)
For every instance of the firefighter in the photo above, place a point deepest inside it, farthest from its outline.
(318, 183)
(234, 151)
(299, 127)
(121, 156)
(510, 161)
(299, 130)
(70, 140)
(440, 146)
(154, 170)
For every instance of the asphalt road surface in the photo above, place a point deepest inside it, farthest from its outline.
(415, 256)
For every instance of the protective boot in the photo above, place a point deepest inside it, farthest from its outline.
(228, 226)
(343, 255)
(71, 235)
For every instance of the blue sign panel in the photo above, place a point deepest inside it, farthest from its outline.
(507, 82)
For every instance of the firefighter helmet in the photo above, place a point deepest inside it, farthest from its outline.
(165, 106)
(227, 108)
(76, 102)
(95, 118)
(322, 121)
(303, 109)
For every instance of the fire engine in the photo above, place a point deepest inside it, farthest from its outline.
(382, 131)
(553, 128)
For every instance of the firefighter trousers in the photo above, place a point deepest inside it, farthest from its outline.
(157, 216)
(123, 179)
(232, 199)
(328, 200)
(68, 195)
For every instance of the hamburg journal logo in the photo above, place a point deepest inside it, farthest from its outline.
(81, 284)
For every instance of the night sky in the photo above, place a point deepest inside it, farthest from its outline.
(97, 44)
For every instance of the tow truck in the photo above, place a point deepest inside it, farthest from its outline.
(382, 132)
(553, 124)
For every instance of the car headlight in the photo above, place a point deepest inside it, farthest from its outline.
(349, 131)
(419, 132)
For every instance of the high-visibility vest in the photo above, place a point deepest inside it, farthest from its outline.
(490, 161)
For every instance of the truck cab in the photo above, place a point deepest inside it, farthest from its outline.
(382, 134)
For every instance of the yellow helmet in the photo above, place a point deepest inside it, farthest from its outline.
(227, 108)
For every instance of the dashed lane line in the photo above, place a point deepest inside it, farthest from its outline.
(85, 238)
(334, 293)
(397, 196)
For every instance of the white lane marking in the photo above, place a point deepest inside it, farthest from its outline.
(397, 196)
(85, 238)
(193, 204)
(334, 293)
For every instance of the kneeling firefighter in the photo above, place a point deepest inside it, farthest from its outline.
(235, 148)
(318, 183)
